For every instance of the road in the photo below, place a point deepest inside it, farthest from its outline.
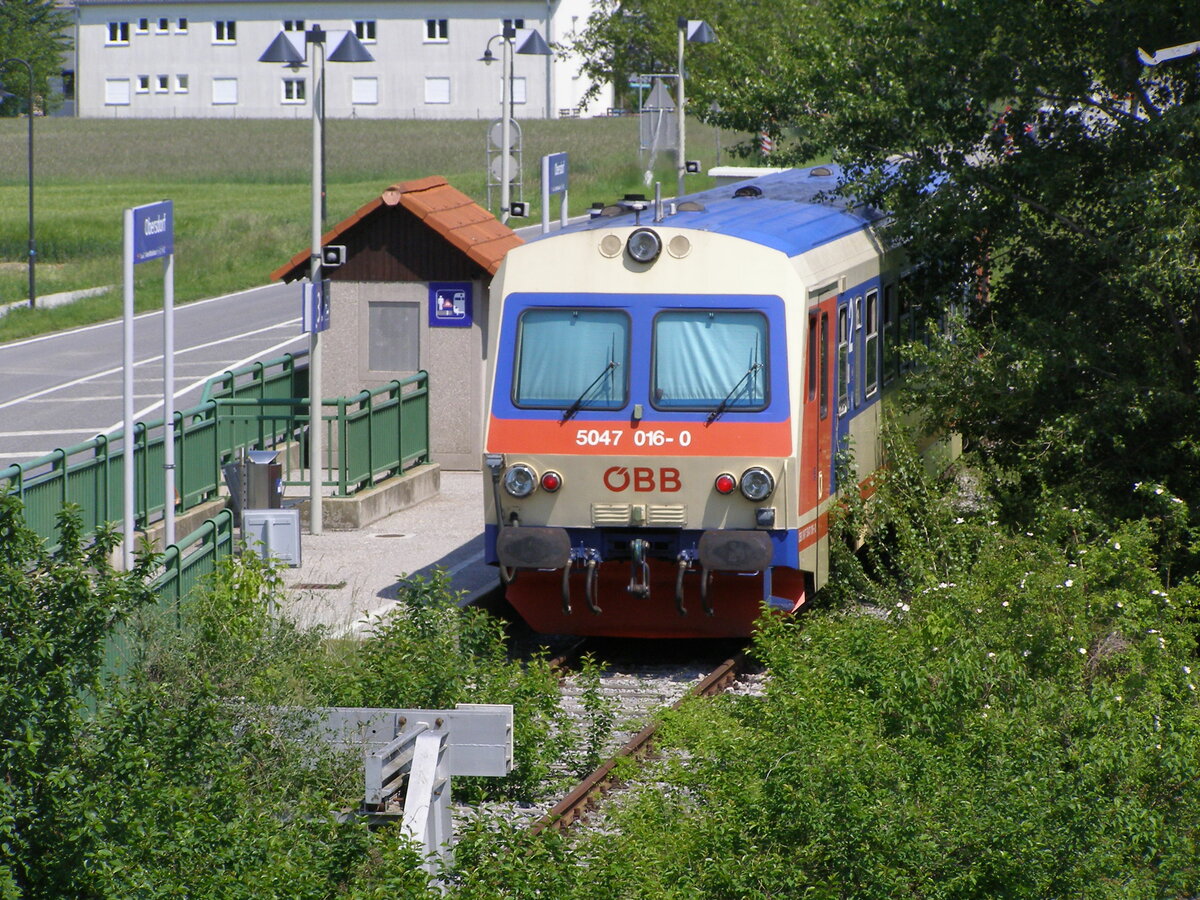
(59, 390)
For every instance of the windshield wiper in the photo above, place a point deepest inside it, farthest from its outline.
(724, 404)
(578, 404)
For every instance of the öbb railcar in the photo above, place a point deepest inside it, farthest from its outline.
(668, 388)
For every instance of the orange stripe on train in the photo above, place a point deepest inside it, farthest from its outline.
(543, 436)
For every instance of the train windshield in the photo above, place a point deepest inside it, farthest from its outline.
(709, 359)
(572, 359)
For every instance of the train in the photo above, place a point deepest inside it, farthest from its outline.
(669, 385)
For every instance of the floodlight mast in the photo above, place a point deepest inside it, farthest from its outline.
(32, 245)
(695, 31)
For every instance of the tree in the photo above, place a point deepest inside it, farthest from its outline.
(56, 614)
(35, 31)
(1066, 171)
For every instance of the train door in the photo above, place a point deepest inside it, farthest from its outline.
(816, 440)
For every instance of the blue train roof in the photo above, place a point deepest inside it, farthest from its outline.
(791, 211)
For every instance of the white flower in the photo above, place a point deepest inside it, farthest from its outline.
(1120, 605)
(1025, 652)
(1118, 698)
(1191, 687)
(1158, 490)
(1187, 670)
(1136, 485)
(1083, 650)
(1068, 583)
(1005, 603)
(959, 520)
(991, 656)
(1116, 545)
(978, 610)
(1176, 500)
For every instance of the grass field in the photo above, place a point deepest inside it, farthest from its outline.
(241, 191)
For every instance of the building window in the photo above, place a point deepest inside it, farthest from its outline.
(181, 25)
(118, 33)
(437, 90)
(225, 32)
(519, 92)
(293, 24)
(116, 92)
(511, 23)
(365, 31)
(437, 30)
(364, 90)
(143, 26)
(164, 25)
(143, 84)
(181, 84)
(293, 90)
(394, 330)
(162, 84)
(224, 91)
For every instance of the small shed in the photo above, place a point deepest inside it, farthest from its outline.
(412, 294)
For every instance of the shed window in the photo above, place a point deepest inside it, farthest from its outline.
(395, 337)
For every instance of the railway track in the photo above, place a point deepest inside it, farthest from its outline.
(588, 791)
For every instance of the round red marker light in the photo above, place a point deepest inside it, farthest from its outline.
(725, 484)
(551, 482)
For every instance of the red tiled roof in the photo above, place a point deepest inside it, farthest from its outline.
(460, 220)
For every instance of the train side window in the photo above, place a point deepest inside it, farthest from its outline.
(871, 347)
(843, 338)
(572, 356)
(705, 358)
(823, 365)
(891, 347)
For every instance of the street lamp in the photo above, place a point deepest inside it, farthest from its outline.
(531, 45)
(695, 31)
(32, 246)
(282, 50)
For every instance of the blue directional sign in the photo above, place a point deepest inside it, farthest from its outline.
(153, 231)
(449, 304)
(315, 314)
(558, 172)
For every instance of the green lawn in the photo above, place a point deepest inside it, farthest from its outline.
(241, 190)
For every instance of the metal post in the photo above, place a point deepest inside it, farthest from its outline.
(506, 127)
(680, 163)
(127, 515)
(169, 400)
(29, 149)
(315, 442)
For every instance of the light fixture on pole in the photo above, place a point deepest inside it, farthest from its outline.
(528, 42)
(32, 246)
(282, 50)
(695, 31)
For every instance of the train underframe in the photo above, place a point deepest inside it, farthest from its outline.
(641, 584)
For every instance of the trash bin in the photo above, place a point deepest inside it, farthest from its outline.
(264, 480)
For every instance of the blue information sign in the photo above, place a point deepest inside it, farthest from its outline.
(315, 313)
(153, 231)
(558, 172)
(449, 304)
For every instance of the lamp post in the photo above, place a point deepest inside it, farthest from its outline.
(695, 31)
(282, 50)
(531, 44)
(32, 246)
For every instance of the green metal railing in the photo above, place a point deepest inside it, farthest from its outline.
(369, 437)
(184, 564)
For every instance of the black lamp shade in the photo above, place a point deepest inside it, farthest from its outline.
(351, 49)
(533, 44)
(282, 50)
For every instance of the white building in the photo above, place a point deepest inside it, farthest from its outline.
(199, 58)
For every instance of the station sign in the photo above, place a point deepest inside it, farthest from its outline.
(153, 231)
(557, 172)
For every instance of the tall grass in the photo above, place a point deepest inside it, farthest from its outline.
(241, 190)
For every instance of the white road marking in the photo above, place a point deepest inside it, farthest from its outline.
(4, 434)
(158, 358)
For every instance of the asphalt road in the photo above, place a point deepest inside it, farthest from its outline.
(59, 390)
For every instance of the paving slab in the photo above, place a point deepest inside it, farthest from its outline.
(347, 577)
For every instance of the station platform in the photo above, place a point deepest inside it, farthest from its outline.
(348, 577)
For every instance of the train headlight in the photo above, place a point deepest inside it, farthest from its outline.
(644, 245)
(551, 481)
(757, 484)
(519, 480)
(725, 483)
